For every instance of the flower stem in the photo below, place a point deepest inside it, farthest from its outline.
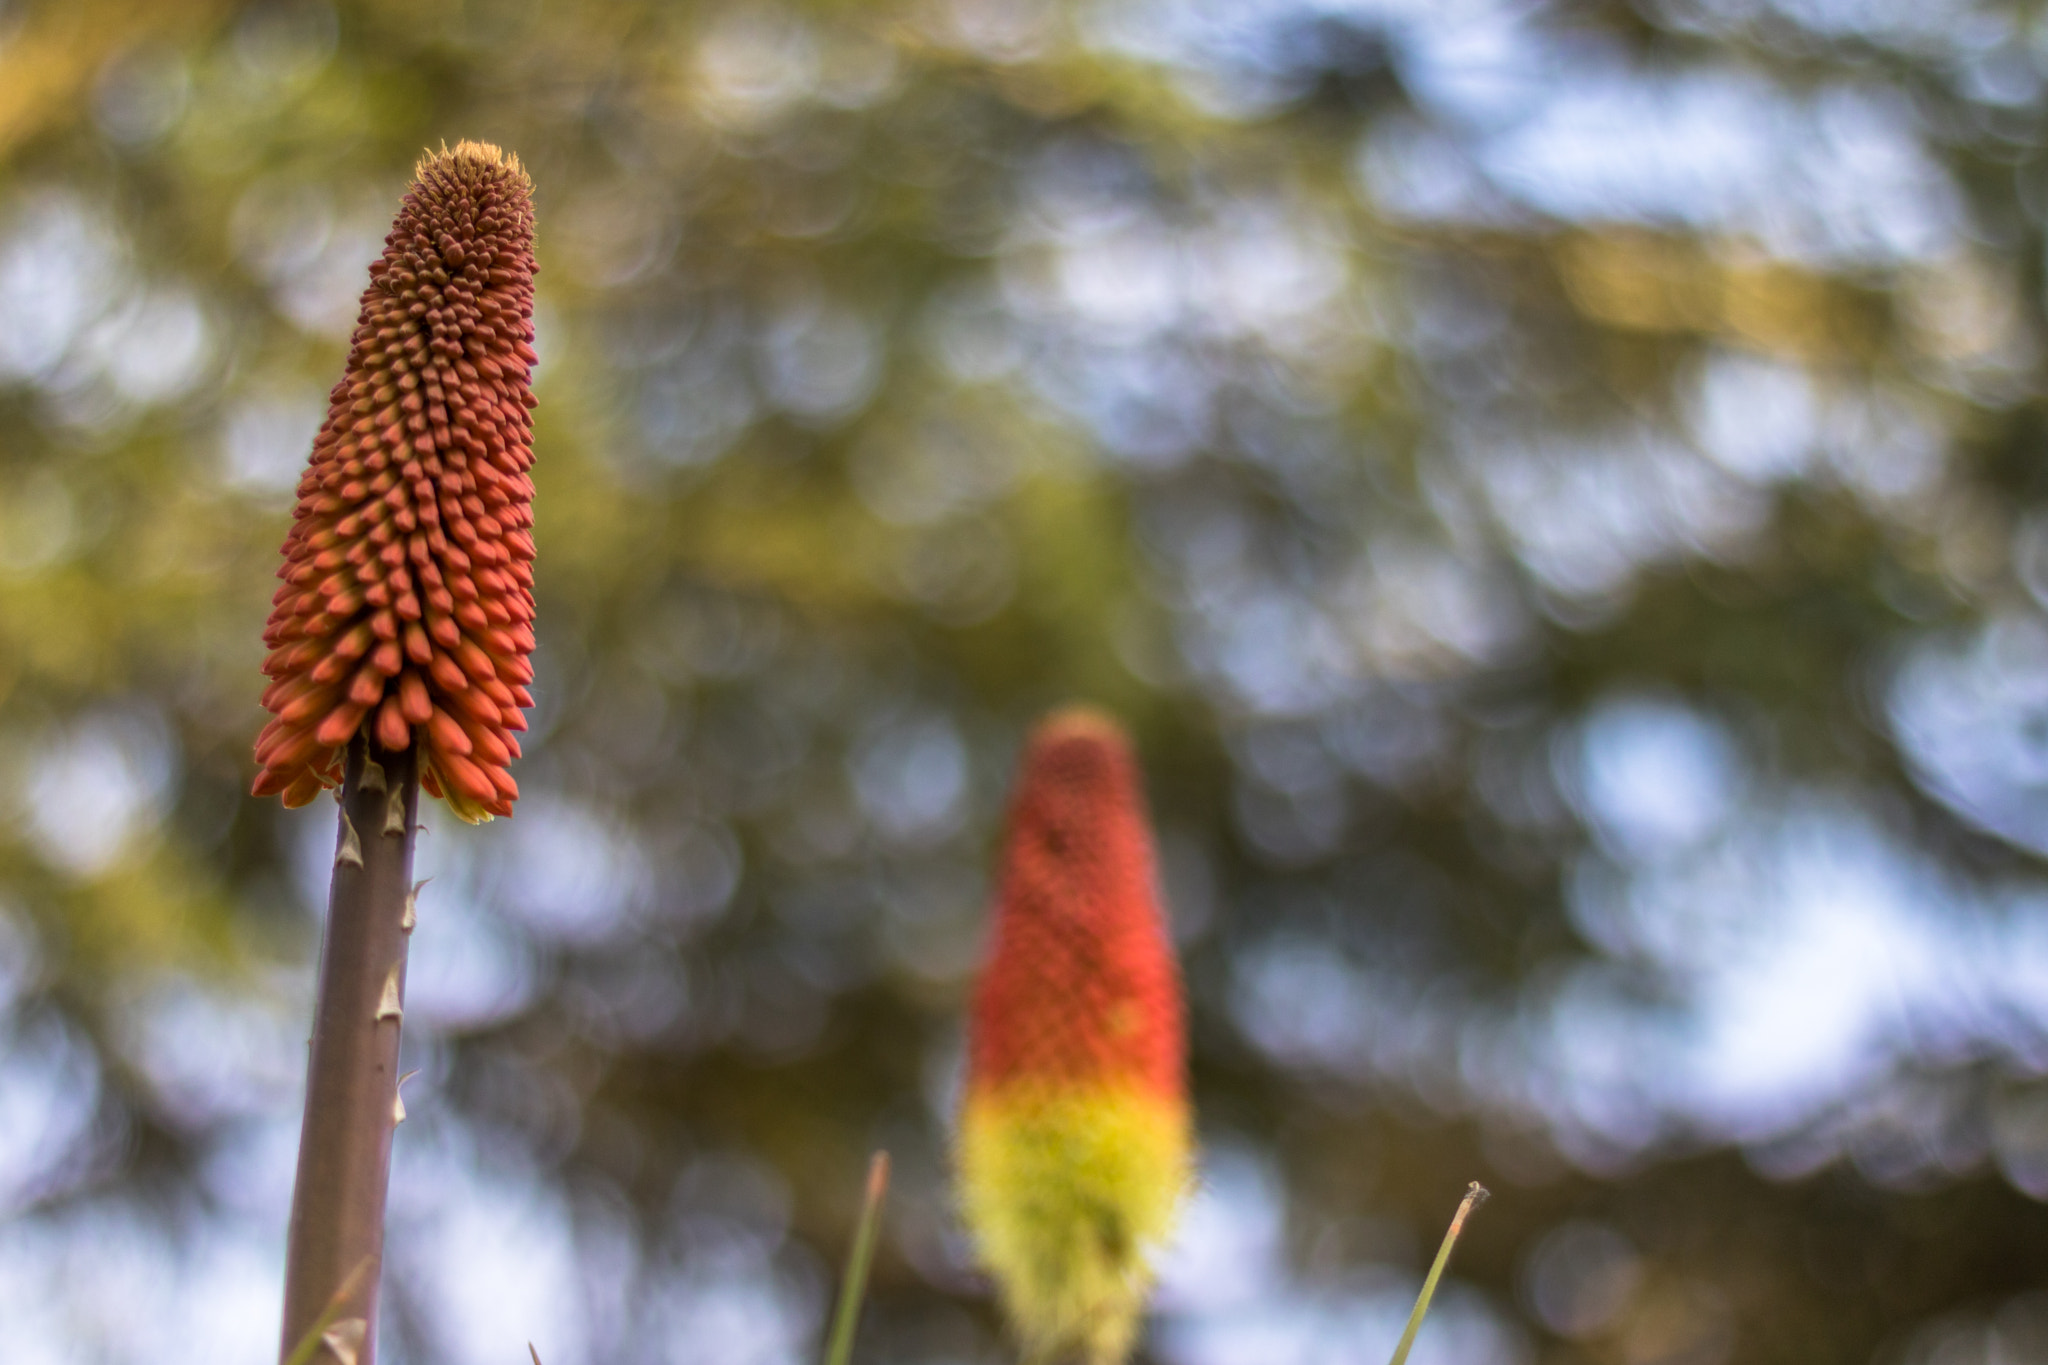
(855, 1285)
(1474, 1197)
(352, 1068)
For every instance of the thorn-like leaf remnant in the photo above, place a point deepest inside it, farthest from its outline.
(389, 1006)
(316, 1335)
(407, 603)
(373, 774)
(398, 1098)
(351, 850)
(410, 918)
(344, 1340)
(1075, 1151)
(394, 815)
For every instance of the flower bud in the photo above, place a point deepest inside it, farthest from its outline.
(407, 604)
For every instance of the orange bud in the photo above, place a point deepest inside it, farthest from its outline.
(392, 731)
(413, 701)
(447, 734)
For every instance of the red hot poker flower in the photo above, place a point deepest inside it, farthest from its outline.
(1074, 1137)
(407, 603)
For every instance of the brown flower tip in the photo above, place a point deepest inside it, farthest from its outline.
(407, 603)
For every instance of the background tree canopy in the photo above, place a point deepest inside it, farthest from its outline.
(1555, 488)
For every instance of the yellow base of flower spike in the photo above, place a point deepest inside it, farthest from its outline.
(1068, 1192)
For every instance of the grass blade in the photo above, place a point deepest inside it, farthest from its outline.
(1474, 1197)
(854, 1287)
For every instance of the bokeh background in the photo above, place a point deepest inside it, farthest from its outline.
(1556, 489)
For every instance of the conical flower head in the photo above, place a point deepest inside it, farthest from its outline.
(407, 603)
(1074, 1138)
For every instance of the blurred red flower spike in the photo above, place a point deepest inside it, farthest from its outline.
(1075, 1149)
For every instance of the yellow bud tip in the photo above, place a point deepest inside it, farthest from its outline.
(486, 154)
(1080, 722)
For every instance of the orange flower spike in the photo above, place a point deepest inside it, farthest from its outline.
(1075, 1149)
(407, 604)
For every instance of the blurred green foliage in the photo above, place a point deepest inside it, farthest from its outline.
(1554, 488)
